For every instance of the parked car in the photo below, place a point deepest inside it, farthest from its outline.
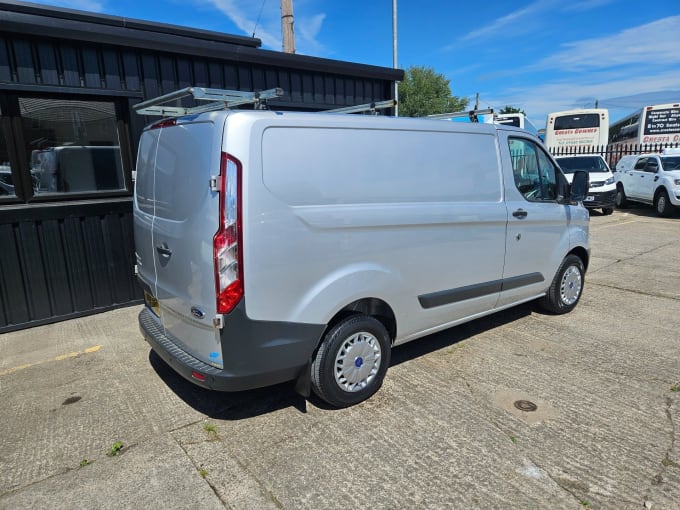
(275, 246)
(650, 179)
(602, 190)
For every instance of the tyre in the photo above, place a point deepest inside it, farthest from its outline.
(351, 362)
(662, 204)
(606, 211)
(566, 288)
(620, 201)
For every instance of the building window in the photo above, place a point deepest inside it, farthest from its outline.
(6, 182)
(71, 146)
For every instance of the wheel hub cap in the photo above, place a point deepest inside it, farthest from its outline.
(357, 362)
(570, 289)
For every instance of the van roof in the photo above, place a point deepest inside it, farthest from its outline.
(343, 119)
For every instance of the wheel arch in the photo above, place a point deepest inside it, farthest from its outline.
(371, 306)
(661, 188)
(581, 253)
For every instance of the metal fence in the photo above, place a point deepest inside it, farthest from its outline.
(614, 151)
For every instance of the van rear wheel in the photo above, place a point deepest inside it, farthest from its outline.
(352, 360)
(566, 288)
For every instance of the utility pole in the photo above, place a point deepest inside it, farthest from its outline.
(394, 55)
(287, 31)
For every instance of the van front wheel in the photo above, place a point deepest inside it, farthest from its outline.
(566, 288)
(351, 362)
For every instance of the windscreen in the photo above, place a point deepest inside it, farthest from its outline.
(590, 164)
(670, 163)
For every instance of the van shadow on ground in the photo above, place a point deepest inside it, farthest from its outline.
(247, 404)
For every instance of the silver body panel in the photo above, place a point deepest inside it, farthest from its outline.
(338, 208)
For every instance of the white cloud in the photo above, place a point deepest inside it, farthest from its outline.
(567, 94)
(654, 43)
(307, 30)
(586, 5)
(244, 14)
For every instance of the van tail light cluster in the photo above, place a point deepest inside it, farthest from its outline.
(227, 242)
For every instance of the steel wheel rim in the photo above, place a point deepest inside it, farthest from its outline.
(357, 361)
(570, 287)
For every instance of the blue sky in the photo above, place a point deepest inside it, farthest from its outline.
(540, 56)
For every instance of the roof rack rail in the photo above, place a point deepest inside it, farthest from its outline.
(218, 99)
(472, 114)
(366, 107)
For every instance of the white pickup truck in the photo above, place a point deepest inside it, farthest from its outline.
(651, 179)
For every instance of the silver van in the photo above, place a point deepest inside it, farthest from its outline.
(276, 246)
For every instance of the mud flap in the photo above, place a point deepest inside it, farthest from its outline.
(303, 384)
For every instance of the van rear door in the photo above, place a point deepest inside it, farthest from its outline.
(174, 232)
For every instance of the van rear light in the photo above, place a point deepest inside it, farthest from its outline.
(227, 240)
(163, 124)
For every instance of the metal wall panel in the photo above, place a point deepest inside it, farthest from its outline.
(67, 266)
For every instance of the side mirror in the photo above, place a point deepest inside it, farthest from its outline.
(579, 186)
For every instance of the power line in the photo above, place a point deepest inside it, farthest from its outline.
(258, 17)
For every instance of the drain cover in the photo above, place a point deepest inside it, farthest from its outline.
(525, 405)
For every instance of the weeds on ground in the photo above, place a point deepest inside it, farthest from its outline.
(211, 429)
(115, 449)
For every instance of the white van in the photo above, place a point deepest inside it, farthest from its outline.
(277, 246)
(602, 191)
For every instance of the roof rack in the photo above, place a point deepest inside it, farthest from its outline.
(218, 100)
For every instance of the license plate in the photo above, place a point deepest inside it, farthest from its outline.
(589, 198)
(152, 303)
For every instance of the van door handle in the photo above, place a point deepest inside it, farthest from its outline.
(520, 213)
(163, 250)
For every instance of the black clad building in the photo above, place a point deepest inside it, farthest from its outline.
(68, 139)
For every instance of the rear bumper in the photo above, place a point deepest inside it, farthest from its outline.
(601, 199)
(255, 353)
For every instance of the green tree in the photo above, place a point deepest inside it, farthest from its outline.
(511, 109)
(425, 92)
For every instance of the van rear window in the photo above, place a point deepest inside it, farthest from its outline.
(174, 168)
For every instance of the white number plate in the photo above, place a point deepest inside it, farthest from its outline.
(589, 198)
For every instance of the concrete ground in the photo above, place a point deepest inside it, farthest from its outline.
(90, 418)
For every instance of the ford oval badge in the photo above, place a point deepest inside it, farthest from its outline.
(197, 312)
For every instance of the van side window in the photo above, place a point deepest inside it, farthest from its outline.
(534, 172)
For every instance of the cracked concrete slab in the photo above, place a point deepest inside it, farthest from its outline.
(153, 474)
(443, 431)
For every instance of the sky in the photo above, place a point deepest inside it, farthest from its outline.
(539, 56)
